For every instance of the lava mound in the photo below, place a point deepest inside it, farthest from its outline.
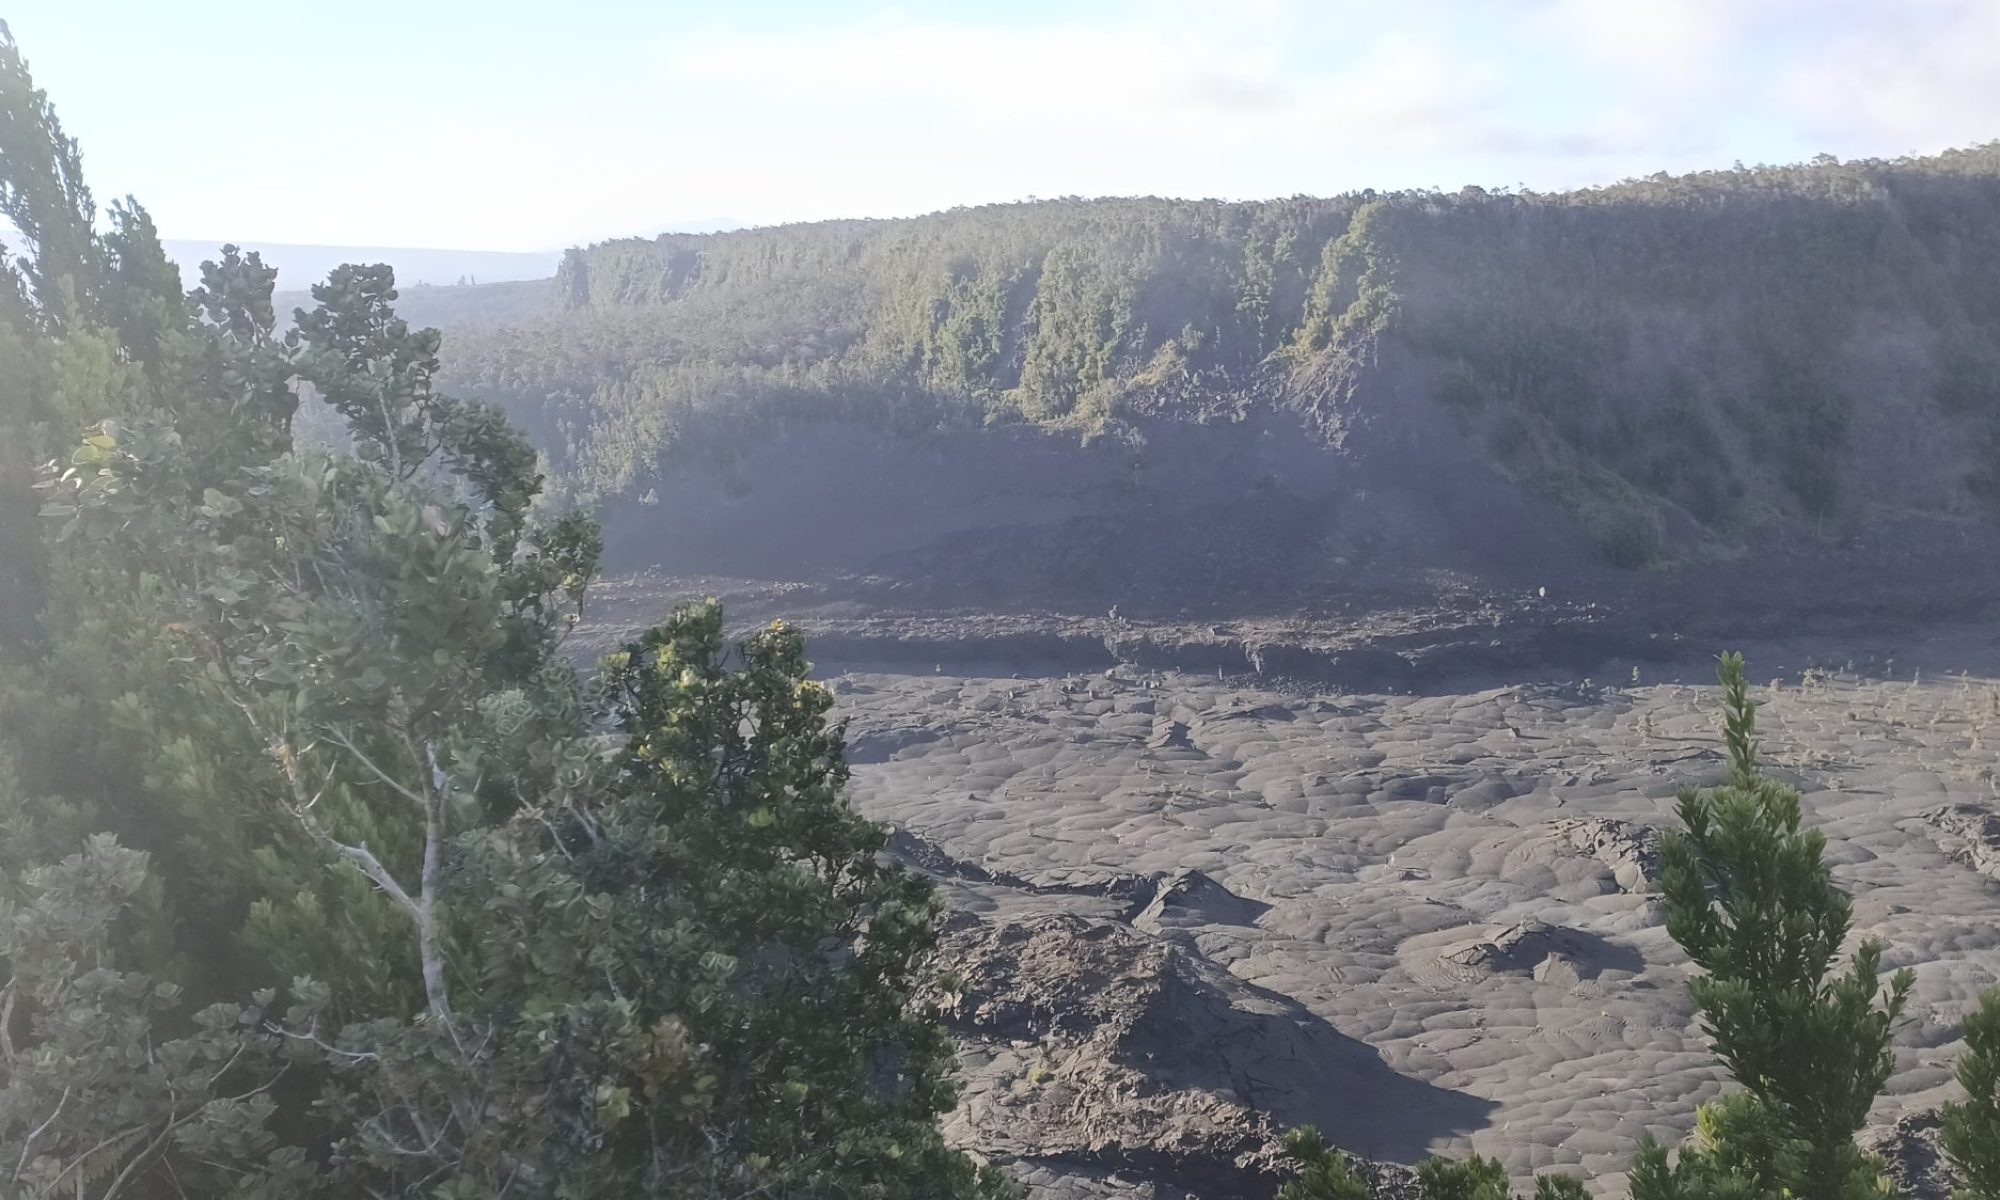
(1094, 1052)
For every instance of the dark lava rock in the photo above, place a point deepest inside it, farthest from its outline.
(1631, 851)
(1915, 1159)
(1533, 947)
(1191, 900)
(1968, 833)
(919, 852)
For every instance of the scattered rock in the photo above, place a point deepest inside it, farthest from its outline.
(881, 745)
(919, 852)
(1362, 668)
(1191, 900)
(1251, 710)
(1968, 833)
(1631, 851)
(1549, 953)
(1516, 948)
(1914, 1155)
(1170, 735)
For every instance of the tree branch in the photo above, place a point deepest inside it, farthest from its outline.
(389, 432)
(430, 945)
(7, 1020)
(346, 743)
(159, 1143)
(29, 1145)
(302, 803)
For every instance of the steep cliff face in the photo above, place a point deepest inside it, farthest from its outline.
(1810, 345)
(1661, 371)
(1025, 518)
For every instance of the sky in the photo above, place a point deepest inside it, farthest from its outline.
(509, 126)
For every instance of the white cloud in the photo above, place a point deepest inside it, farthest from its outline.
(1655, 42)
(1662, 78)
(1076, 74)
(897, 114)
(1918, 75)
(900, 112)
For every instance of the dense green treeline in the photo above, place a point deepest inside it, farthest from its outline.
(1631, 350)
(1652, 342)
(1059, 313)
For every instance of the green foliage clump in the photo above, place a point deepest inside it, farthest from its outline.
(1554, 1185)
(1473, 1178)
(105, 1081)
(1689, 1176)
(1319, 1171)
(1750, 899)
(1622, 521)
(1972, 1127)
(378, 894)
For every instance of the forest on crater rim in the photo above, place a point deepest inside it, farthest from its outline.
(1677, 360)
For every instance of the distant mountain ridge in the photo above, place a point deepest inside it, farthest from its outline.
(300, 266)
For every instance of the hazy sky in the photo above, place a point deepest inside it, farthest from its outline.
(525, 126)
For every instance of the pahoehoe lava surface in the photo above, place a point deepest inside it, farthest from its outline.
(1193, 911)
(1206, 881)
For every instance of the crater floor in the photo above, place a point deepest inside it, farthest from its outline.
(1422, 922)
